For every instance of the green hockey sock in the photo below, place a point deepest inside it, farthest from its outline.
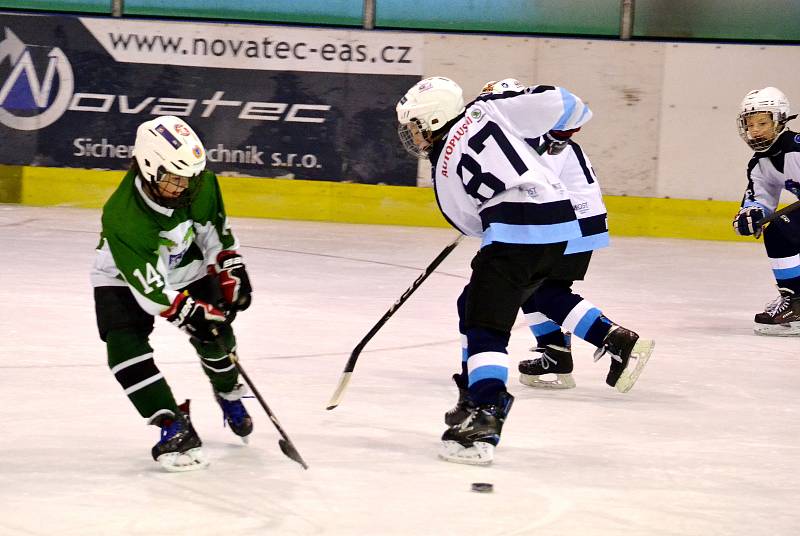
(130, 358)
(216, 361)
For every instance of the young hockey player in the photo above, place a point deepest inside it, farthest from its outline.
(490, 184)
(553, 304)
(166, 250)
(775, 166)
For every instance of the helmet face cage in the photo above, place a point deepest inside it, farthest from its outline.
(425, 110)
(168, 152)
(769, 101)
(170, 183)
(416, 139)
(761, 143)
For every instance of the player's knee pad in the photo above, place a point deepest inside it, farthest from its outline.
(480, 339)
(783, 233)
(461, 307)
(213, 349)
(782, 237)
(130, 358)
(125, 344)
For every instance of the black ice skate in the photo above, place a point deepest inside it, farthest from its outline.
(473, 440)
(234, 411)
(781, 317)
(463, 406)
(179, 446)
(629, 355)
(552, 360)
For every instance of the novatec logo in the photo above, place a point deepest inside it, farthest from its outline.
(26, 102)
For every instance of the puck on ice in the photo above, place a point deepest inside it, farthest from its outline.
(482, 487)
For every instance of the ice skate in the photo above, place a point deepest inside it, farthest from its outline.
(473, 440)
(234, 411)
(629, 355)
(463, 406)
(178, 449)
(552, 361)
(781, 317)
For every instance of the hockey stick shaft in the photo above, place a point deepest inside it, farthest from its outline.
(774, 216)
(285, 444)
(351, 363)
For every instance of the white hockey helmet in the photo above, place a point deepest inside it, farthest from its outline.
(425, 109)
(498, 87)
(167, 143)
(767, 100)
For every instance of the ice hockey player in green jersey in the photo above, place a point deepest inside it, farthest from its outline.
(166, 250)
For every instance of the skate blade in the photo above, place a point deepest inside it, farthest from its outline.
(562, 381)
(480, 453)
(792, 329)
(245, 439)
(639, 356)
(180, 462)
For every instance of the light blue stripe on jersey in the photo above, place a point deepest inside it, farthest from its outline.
(544, 328)
(586, 322)
(587, 243)
(464, 355)
(786, 273)
(569, 108)
(531, 234)
(583, 114)
(748, 204)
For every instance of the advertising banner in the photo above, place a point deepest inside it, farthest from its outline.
(267, 101)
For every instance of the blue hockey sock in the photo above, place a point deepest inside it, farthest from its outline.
(487, 364)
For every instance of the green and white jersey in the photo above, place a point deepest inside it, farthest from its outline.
(155, 250)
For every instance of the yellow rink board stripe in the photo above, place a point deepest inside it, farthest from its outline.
(361, 203)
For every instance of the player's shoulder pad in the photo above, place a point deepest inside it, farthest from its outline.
(789, 142)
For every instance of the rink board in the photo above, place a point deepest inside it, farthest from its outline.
(360, 203)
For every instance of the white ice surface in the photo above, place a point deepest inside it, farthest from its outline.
(707, 443)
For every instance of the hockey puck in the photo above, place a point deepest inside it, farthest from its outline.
(482, 487)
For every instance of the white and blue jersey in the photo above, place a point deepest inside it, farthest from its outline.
(491, 183)
(575, 170)
(772, 171)
(768, 174)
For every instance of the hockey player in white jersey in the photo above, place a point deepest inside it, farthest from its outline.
(489, 183)
(554, 303)
(775, 166)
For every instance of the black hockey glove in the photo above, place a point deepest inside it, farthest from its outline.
(197, 318)
(746, 221)
(233, 281)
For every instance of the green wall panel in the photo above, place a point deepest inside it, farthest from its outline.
(85, 6)
(777, 20)
(342, 12)
(583, 17)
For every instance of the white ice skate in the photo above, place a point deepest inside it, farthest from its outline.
(781, 317)
(480, 453)
(551, 369)
(639, 355)
(178, 462)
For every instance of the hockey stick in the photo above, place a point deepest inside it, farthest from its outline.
(285, 444)
(777, 214)
(351, 363)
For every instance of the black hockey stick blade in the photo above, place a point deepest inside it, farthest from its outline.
(285, 444)
(774, 216)
(351, 362)
(288, 449)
